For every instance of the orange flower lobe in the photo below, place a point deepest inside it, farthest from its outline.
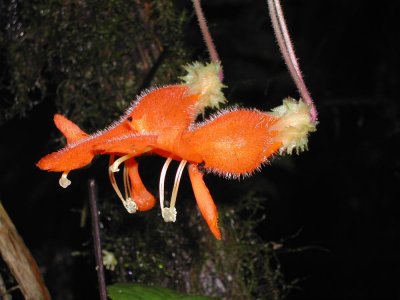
(204, 200)
(233, 143)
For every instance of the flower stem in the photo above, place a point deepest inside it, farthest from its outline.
(206, 34)
(96, 239)
(287, 50)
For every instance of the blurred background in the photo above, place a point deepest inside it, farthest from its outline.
(323, 225)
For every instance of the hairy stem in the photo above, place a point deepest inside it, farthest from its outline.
(287, 50)
(96, 239)
(206, 34)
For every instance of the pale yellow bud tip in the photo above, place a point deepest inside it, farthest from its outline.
(205, 80)
(293, 126)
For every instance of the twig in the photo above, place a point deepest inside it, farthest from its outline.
(96, 239)
(20, 261)
(287, 50)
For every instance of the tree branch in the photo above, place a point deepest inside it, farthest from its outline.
(20, 261)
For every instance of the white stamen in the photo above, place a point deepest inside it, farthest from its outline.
(176, 183)
(129, 204)
(162, 180)
(113, 180)
(127, 184)
(169, 213)
(64, 181)
(114, 167)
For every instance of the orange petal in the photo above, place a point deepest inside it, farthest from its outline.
(165, 109)
(204, 200)
(69, 129)
(67, 159)
(72, 156)
(142, 197)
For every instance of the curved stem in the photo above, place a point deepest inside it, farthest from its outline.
(287, 50)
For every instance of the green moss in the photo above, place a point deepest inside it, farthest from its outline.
(90, 58)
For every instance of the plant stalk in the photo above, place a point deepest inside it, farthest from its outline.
(96, 239)
(287, 51)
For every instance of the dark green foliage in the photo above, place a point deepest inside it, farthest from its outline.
(90, 57)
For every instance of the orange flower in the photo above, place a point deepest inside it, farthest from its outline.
(232, 143)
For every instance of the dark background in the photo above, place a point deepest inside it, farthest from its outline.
(344, 194)
(339, 200)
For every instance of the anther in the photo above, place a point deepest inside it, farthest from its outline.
(130, 205)
(169, 214)
(64, 181)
